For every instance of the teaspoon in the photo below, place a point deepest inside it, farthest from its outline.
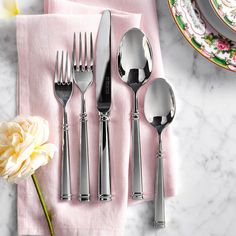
(159, 109)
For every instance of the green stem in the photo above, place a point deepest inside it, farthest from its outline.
(40, 195)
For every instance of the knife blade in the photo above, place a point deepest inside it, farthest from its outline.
(103, 96)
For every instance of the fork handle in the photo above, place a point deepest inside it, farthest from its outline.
(104, 171)
(65, 166)
(84, 188)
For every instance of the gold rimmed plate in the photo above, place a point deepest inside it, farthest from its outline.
(219, 48)
(226, 10)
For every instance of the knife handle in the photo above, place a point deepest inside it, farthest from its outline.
(137, 181)
(104, 171)
(159, 199)
(84, 188)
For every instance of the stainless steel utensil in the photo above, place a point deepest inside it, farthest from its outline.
(103, 95)
(83, 78)
(159, 109)
(63, 88)
(135, 67)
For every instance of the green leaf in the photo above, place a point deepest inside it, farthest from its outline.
(180, 22)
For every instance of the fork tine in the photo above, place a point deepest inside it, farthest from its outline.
(69, 69)
(91, 50)
(70, 77)
(85, 51)
(61, 69)
(74, 52)
(66, 68)
(80, 51)
(56, 69)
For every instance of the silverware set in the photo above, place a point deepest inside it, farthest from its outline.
(80, 71)
(135, 66)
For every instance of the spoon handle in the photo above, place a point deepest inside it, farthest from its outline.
(137, 181)
(159, 201)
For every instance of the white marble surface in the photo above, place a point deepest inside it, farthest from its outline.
(205, 128)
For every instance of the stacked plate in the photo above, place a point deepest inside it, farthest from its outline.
(226, 10)
(210, 27)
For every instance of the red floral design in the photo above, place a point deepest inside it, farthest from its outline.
(222, 45)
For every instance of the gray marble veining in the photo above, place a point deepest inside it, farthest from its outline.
(205, 129)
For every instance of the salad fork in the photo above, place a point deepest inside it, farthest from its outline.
(63, 88)
(83, 78)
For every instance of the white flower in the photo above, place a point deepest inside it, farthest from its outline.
(8, 8)
(23, 147)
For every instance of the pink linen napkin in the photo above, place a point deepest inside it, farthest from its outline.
(38, 38)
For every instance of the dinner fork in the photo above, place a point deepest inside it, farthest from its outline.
(83, 78)
(63, 88)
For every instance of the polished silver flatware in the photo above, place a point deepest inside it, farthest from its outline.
(83, 78)
(135, 67)
(63, 88)
(159, 109)
(103, 95)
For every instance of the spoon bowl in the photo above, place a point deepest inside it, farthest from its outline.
(159, 109)
(135, 67)
(159, 104)
(135, 58)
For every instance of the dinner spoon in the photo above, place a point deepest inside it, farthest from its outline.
(159, 109)
(135, 67)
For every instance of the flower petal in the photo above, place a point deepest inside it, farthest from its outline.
(36, 126)
(8, 8)
(23, 147)
(42, 155)
(39, 130)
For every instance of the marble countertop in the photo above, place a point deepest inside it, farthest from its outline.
(205, 127)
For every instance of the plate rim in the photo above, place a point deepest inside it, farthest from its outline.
(189, 40)
(220, 16)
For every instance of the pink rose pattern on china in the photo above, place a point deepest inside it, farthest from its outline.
(222, 45)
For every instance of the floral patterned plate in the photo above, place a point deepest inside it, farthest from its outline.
(226, 9)
(201, 35)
